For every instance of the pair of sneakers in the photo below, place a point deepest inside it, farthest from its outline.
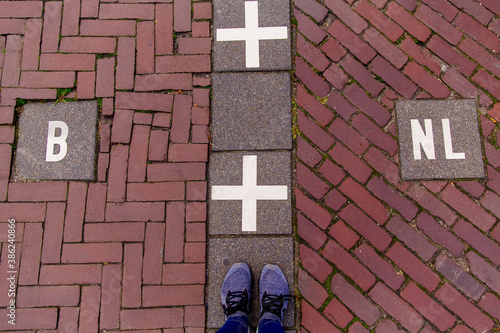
(273, 291)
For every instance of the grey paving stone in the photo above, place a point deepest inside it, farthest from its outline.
(461, 115)
(273, 216)
(256, 252)
(79, 161)
(251, 111)
(274, 54)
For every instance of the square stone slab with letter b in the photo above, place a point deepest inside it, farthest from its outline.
(56, 141)
(439, 140)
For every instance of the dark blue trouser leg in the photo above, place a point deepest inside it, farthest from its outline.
(235, 325)
(270, 326)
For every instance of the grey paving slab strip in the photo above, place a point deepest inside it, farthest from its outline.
(256, 252)
(251, 111)
(273, 169)
(439, 139)
(56, 141)
(263, 23)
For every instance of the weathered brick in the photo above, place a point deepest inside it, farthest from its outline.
(138, 154)
(344, 12)
(85, 86)
(105, 78)
(68, 318)
(313, 107)
(343, 235)
(155, 296)
(314, 132)
(6, 153)
(313, 321)
(145, 62)
(484, 271)
(477, 10)
(340, 105)
(308, 28)
(151, 318)
(164, 29)
(492, 154)
(491, 201)
(192, 45)
(196, 212)
(459, 83)
(368, 106)
(182, 15)
(183, 63)
(176, 171)
(379, 20)
(117, 173)
(6, 115)
(30, 255)
(65, 62)
(348, 136)
(491, 304)
(446, 52)
(153, 253)
(12, 27)
(421, 55)
(132, 269)
(309, 232)
(332, 172)
(114, 232)
(9, 95)
(481, 55)
(426, 80)
(51, 26)
(373, 133)
(47, 79)
(135, 211)
(202, 11)
(174, 235)
(70, 274)
(366, 227)
(428, 307)
(335, 200)
(432, 204)
(96, 204)
(22, 212)
(31, 45)
(53, 233)
(12, 62)
(477, 31)
(312, 183)
(446, 9)
(362, 75)
(87, 45)
(480, 242)
(383, 165)
(44, 191)
(187, 152)
(311, 290)
(70, 18)
(459, 278)
(465, 310)
(31, 319)
(411, 238)
(413, 267)
(91, 253)
(127, 11)
(317, 11)
(311, 54)
(200, 29)
(38, 296)
(110, 297)
(333, 49)
(439, 234)
(408, 22)
(379, 266)
(392, 198)
(354, 300)
(471, 210)
(396, 307)
(107, 28)
(351, 41)
(158, 147)
(21, 9)
(336, 76)
(310, 79)
(351, 163)
(195, 252)
(89, 8)
(314, 263)
(348, 265)
(434, 21)
(318, 214)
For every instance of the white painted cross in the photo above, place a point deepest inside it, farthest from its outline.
(249, 192)
(251, 34)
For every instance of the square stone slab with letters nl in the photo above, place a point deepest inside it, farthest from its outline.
(252, 35)
(250, 193)
(251, 111)
(256, 252)
(439, 140)
(56, 141)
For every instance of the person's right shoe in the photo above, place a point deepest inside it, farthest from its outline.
(274, 293)
(235, 291)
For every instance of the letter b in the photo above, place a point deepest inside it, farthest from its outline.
(53, 140)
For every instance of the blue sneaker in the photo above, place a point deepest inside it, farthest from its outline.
(274, 293)
(235, 291)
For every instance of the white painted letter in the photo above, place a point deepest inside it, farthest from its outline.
(448, 148)
(53, 140)
(426, 140)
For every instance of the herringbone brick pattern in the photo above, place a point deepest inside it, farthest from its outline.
(378, 254)
(127, 251)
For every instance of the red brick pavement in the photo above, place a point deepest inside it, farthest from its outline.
(126, 252)
(378, 254)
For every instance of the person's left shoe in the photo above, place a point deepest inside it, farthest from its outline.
(235, 291)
